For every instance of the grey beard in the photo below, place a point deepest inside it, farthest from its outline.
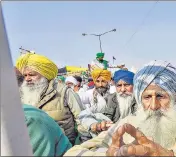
(160, 125)
(125, 103)
(102, 90)
(31, 95)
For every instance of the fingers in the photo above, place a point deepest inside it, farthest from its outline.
(109, 122)
(117, 137)
(103, 125)
(94, 127)
(129, 150)
(108, 125)
(136, 142)
(138, 135)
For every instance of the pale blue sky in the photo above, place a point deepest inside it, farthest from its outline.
(54, 29)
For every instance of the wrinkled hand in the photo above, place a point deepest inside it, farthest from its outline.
(142, 146)
(98, 127)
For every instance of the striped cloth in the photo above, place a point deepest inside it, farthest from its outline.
(161, 73)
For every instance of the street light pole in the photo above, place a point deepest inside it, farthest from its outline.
(100, 43)
(99, 36)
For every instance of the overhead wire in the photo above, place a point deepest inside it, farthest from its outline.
(142, 23)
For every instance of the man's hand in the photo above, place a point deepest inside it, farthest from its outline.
(142, 146)
(98, 127)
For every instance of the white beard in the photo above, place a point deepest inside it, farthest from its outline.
(125, 103)
(31, 95)
(160, 125)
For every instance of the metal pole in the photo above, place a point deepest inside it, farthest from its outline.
(14, 134)
(99, 36)
(100, 44)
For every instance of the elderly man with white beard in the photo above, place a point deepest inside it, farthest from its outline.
(122, 103)
(152, 131)
(39, 89)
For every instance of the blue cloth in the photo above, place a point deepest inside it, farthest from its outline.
(124, 75)
(161, 73)
(46, 137)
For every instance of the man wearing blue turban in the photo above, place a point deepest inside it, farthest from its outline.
(125, 103)
(124, 75)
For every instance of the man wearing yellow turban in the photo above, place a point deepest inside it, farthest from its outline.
(38, 63)
(39, 89)
(105, 74)
(95, 101)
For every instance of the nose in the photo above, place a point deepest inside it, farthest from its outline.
(123, 88)
(101, 84)
(155, 104)
(28, 78)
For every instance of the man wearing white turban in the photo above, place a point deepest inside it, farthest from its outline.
(152, 131)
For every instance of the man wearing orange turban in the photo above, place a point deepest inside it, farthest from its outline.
(40, 90)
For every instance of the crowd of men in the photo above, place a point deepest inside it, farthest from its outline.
(120, 114)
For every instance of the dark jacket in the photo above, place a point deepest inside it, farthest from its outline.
(113, 110)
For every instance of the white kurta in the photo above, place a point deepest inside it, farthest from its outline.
(93, 112)
(87, 99)
(112, 89)
(96, 65)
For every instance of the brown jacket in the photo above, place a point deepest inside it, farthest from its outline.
(61, 104)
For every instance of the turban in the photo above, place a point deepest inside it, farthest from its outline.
(100, 72)
(38, 63)
(160, 73)
(100, 55)
(62, 78)
(124, 75)
(72, 80)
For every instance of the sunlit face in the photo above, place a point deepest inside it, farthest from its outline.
(31, 76)
(155, 98)
(101, 82)
(124, 88)
(156, 117)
